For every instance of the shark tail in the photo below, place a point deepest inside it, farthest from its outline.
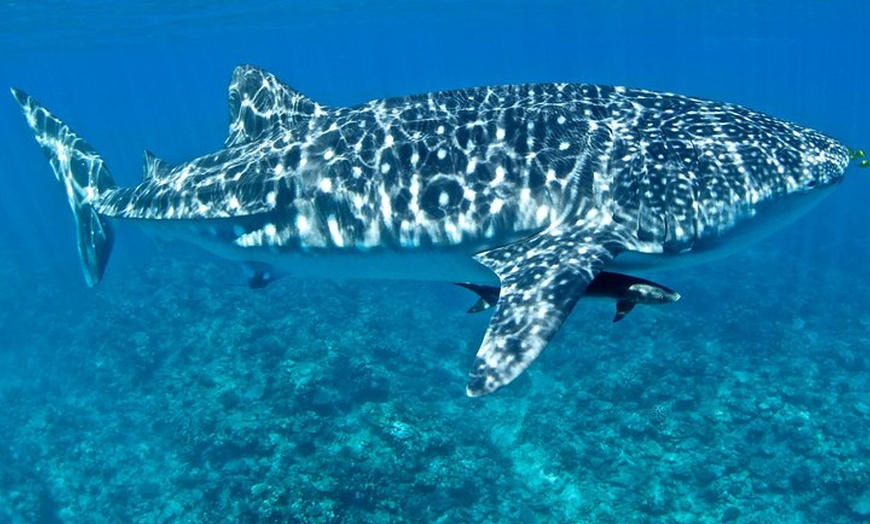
(84, 176)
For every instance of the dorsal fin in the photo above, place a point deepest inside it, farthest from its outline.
(154, 167)
(259, 102)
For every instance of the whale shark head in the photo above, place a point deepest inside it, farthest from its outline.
(821, 163)
(802, 176)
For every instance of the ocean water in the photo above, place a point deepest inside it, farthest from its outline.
(173, 393)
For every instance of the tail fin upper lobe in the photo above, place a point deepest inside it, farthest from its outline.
(83, 174)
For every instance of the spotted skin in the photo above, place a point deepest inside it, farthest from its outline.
(545, 185)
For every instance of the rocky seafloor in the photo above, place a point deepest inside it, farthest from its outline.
(172, 395)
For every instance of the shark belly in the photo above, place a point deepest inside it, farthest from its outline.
(386, 265)
(450, 264)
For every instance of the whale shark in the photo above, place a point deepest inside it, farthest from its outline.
(528, 191)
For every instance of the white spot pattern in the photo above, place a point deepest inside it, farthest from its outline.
(581, 171)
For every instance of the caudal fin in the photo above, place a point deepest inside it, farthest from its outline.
(84, 176)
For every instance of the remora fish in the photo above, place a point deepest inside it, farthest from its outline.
(628, 291)
(534, 188)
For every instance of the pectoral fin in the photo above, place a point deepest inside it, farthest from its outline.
(623, 307)
(542, 278)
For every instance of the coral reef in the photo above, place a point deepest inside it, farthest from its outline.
(171, 396)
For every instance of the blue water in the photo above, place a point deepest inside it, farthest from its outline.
(172, 393)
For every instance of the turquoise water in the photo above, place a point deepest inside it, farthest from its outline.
(173, 393)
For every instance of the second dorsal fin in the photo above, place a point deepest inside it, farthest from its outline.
(153, 167)
(259, 102)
